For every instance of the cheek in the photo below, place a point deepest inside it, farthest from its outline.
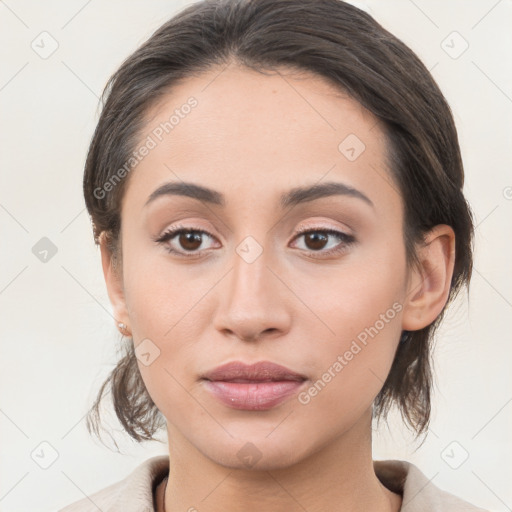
(359, 310)
(165, 304)
(365, 291)
(158, 292)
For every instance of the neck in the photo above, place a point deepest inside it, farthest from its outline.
(339, 476)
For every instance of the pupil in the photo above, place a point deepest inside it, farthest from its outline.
(315, 237)
(187, 240)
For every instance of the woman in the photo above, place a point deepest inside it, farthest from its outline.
(276, 190)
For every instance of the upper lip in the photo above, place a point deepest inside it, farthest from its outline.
(262, 371)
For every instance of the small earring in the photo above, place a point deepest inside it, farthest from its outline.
(124, 329)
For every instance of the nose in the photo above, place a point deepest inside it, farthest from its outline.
(254, 303)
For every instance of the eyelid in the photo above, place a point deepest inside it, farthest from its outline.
(322, 227)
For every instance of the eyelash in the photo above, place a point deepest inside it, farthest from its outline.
(345, 240)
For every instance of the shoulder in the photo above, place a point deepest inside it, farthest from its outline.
(419, 494)
(134, 493)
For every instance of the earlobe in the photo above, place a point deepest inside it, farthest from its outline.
(429, 284)
(114, 283)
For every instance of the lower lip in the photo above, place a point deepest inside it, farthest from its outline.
(253, 396)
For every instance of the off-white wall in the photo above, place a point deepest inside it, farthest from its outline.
(58, 337)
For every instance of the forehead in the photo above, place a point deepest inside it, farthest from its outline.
(259, 134)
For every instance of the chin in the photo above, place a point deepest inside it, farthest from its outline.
(255, 453)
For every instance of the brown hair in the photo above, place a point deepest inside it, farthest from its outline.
(349, 48)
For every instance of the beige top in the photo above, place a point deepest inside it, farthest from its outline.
(136, 492)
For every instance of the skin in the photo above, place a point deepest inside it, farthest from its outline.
(253, 137)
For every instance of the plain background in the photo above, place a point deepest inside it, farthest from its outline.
(58, 336)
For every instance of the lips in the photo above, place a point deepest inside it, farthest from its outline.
(263, 371)
(255, 387)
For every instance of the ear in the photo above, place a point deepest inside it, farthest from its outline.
(429, 284)
(113, 280)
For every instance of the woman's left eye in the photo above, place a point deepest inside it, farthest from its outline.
(317, 239)
(190, 240)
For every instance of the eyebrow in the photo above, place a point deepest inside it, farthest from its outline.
(293, 197)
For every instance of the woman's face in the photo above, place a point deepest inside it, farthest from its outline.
(248, 287)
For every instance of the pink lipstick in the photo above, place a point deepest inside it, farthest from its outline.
(254, 387)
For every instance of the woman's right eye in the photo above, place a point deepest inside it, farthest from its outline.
(188, 239)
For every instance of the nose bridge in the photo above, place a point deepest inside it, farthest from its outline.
(250, 276)
(251, 304)
(252, 253)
